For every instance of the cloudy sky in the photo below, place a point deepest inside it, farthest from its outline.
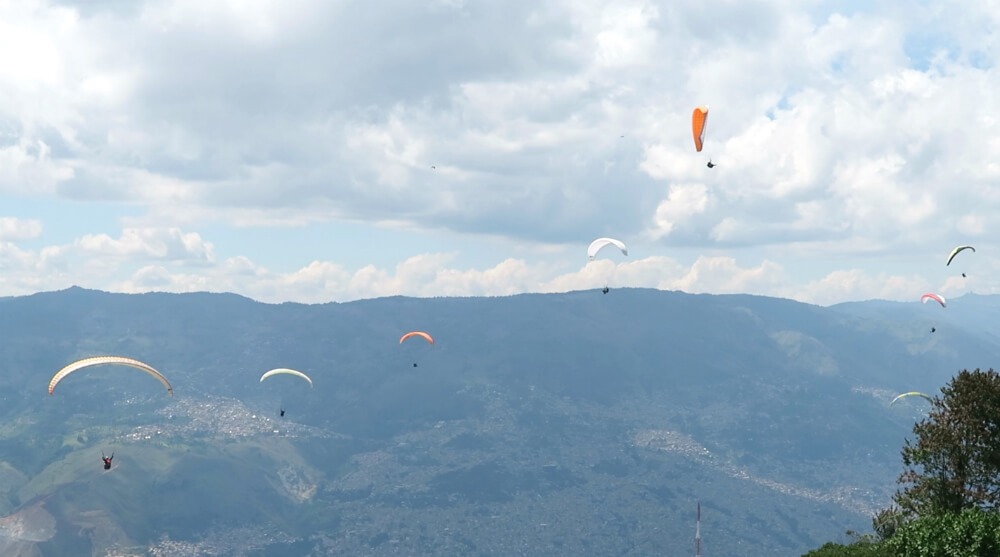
(318, 150)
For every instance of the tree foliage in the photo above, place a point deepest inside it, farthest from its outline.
(970, 533)
(954, 463)
(887, 521)
(859, 548)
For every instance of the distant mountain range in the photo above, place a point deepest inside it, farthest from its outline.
(551, 424)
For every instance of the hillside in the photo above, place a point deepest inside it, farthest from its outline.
(557, 424)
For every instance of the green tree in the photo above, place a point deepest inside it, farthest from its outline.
(971, 533)
(859, 548)
(887, 521)
(954, 463)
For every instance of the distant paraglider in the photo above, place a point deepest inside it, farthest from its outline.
(420, 334)
(414, 334)
(601, 243)
(958, 250)
(699, 121)
(109, 360)
(107, 460)
(911, 393)
(285, 371)
(936, 297)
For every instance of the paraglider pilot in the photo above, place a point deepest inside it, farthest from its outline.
(107, 460)
(282, 412)
(605, 290)
(710, 164)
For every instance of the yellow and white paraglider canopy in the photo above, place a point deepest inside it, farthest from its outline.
(108, 360)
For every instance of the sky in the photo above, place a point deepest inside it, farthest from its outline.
(316, 150)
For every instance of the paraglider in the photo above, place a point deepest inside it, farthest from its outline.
(911, 393)
(710, 164)
(936, 297)
(601, 243)
(285, 371)
(420, 334)
(102, 360)
(699, 120)
(107, 460)
(956, 251)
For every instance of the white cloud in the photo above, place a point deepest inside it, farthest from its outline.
(429, 275)
(27, 168)
(14, 229)
(724, 275)
(626, 39)
(169, 244)
(840, 135)
(683, 201)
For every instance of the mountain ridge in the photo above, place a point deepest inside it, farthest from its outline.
(602, 417)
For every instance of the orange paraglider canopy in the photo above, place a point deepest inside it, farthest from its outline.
(698, 121)
(420, 334)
